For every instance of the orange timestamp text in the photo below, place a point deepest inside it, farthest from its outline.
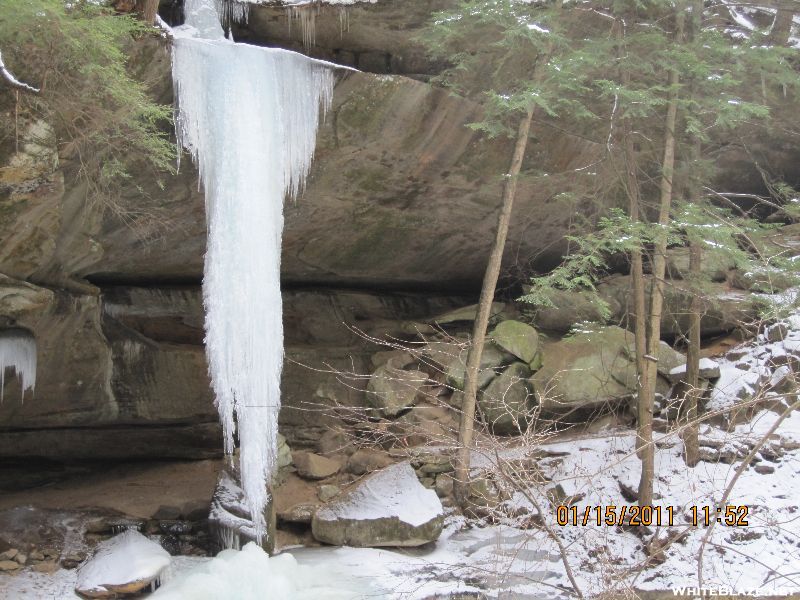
(633, 516)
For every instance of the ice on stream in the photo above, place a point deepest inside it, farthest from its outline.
(249, 118)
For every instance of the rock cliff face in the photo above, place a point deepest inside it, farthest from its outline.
(400, 204)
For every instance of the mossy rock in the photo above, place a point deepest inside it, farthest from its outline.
(518, 338)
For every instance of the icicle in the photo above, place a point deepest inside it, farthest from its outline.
(249, 117)
(307, 15)
(18, 352)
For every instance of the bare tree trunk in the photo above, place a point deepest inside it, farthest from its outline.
(645, 432)
(148, 9)
(467, 422)
(637, 270)
(691, 442)
(781, 28)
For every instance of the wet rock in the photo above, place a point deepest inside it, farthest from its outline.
(175, 527)
(314, 466)
(389, 508)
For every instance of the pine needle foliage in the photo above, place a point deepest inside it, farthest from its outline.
(77, 54)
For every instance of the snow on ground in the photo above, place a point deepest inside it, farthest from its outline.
(510, 560)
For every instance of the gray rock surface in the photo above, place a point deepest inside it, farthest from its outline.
(388, 508)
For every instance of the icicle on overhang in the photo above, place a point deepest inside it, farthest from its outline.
(18, 352)
(249, 117)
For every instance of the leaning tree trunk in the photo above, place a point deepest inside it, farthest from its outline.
(467, 423)
(645, 431)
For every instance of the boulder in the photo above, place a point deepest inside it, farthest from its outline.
(394, 390)
(709, 369)
(284, 453)
(466, 314)
(723, 309)
(314, 466)
(569, 308)
(328, 492)
(518, 338)
(389, 508)
(299, 514)
(765, 281)
(492, 358)
(585, 370)
(668, 357)
(366, 460)
(506, 403)
(714, 266)
(125, 564)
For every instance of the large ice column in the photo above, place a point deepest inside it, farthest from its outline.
(249, 117)
(18, 352)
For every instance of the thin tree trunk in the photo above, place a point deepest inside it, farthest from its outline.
(645, 433)
(467, 422)
(691, 442)
(637, 270)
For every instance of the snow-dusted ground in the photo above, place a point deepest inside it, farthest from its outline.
(505, 560)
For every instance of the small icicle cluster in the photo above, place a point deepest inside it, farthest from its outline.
(249, 117)
(18, 352)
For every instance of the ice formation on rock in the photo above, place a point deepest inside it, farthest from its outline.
(18, 352)
(249, 117)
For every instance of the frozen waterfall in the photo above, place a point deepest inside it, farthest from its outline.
(249, 117)
(18, 352)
